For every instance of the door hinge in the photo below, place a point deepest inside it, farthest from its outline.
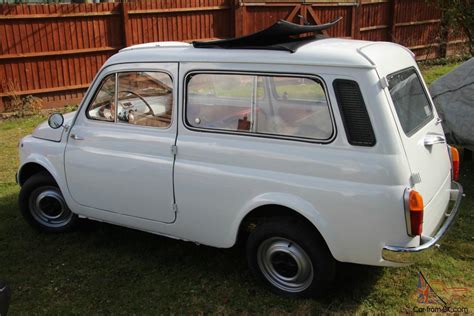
(174, 149)
(175, 208)
(384, 82)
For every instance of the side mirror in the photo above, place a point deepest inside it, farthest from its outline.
(55, 120)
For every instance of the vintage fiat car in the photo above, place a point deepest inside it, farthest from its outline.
(311, 150)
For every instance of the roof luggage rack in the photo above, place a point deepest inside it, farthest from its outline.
(279, 36)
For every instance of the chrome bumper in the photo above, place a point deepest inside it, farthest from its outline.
(412, 255)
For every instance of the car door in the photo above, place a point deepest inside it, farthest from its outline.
(422, 134)
(416, 118)
(119, 153)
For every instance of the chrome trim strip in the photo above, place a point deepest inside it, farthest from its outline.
(405, 254)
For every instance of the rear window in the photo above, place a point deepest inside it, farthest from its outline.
(410, 100)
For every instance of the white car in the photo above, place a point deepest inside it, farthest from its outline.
(312, 150)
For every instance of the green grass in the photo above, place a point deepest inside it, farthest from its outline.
(431, 73)
(104, 269)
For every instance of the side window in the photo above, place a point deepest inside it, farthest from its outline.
(272, 105)
(291, 88)
(298, 109)
(102, 107)
(145, 98)
(219, 101)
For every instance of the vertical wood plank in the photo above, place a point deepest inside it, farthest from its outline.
(392, 21)
(355, 20)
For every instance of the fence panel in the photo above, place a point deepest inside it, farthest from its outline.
(53, 51)
(151, 21)
(417, 25)
(375, 22)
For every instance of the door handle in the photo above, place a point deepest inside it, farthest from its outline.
(431, 139)
(76, 137)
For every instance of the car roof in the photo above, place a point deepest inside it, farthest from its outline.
(336, 52)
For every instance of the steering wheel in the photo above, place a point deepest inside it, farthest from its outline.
(141, 98)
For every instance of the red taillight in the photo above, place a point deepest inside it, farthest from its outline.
(415, 209)
(455, 162)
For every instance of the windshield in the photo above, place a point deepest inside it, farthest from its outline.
(410, 100)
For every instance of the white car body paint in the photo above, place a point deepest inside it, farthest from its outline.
(43, 131)
(127, 175)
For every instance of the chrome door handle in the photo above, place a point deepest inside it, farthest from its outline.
(76, 137)
(431, 139)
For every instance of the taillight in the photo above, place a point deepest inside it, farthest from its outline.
(414, 208)
(455, 162)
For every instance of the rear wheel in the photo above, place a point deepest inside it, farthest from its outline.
(290, 258)
(43, 206)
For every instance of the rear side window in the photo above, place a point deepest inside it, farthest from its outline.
(259, 104)
(410, 100)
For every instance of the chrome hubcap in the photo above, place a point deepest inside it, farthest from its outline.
(49, 208)
(285, 264)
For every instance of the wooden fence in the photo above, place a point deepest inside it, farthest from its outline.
(53, 51)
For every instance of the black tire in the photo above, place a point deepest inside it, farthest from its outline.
(272, 240)
(42, 205)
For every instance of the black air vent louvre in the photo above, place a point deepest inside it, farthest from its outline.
(354, 113)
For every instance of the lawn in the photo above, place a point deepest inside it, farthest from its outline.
(433, 72)
(104, 269)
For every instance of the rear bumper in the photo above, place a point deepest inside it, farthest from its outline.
(427, 244)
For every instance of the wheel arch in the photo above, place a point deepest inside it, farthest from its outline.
(278, 205)
(31, 168)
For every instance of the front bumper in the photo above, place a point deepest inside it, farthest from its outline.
(427, 244)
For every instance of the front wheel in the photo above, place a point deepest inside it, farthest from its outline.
(290, 258)
(43, 206)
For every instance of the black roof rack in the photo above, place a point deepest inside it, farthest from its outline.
(279, 36)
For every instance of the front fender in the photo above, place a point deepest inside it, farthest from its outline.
(47, 154)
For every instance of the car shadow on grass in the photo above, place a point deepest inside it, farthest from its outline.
(352, 285)
(147, 272)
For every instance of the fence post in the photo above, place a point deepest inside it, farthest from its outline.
(240, 27)
(233, 16)
(392, 21)
(444, 36)
(126, 35)
(355, 20)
